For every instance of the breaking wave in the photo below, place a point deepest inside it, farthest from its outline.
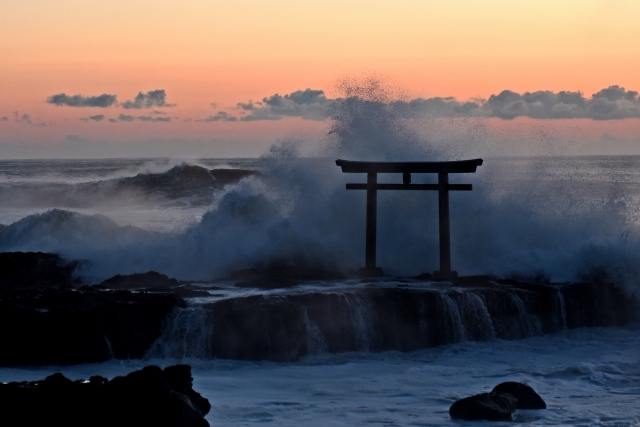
(180, 185)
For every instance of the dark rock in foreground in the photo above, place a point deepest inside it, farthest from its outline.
(527, 397)
(69, 326)
(148, 397)
(28, 270)
(499, 404)
(484, 406)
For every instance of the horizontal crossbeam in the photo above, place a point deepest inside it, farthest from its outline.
(449, 187)
(458, 166)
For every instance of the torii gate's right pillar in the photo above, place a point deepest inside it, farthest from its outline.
(372, 221)
(445, 236)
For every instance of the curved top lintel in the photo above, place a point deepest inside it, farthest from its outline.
(456, 166)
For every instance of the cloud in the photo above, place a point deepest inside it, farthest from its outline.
(4, 119)
(128, 118)
(153, 98)
(612, 103)
(247, 106)
(103, 101)
(314, 105)
(96, 118)
(221, 116)
(125, 118)
(157, 112)
(308, 104)
(26, 119)
(436, 107)
(154, 119)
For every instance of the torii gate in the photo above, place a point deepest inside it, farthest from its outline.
(443, 169)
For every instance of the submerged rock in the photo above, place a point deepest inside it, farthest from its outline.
(69, 326)
(484, 406)
(150, 396)
(527, 396)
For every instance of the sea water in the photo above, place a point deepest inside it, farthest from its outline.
(560, 218)
(588, 377)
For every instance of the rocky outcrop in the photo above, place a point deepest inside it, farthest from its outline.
(29, 270)
(499, 404)
(288, 325)
(484, 406)
(154, 282)
(150, 397)
(284, 273)
(526, 396)
(150, 279)
(69, 326)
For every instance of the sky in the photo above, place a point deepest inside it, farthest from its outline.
(227, 78)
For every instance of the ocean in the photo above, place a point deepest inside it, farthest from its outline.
(548, 219)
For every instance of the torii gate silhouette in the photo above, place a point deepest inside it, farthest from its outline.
(443, 169)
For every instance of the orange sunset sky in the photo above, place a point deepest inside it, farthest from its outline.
(209, 56)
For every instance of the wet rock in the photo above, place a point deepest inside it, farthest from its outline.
(484, 406)
(527, 396)
(288, 325)
(284, 273)
(70, 326)
(258, 328)
(149, 396)
(28, 270)
(153, 282)
(179, 377)
(150, 279)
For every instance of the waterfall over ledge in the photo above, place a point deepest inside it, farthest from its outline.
(288, 325)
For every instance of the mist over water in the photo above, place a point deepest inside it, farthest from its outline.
(552, 218)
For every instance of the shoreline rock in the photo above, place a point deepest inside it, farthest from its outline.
(150, 396)
(85, 325)
(29, 270)
(497, 405)
(527, 396)
(484, 406)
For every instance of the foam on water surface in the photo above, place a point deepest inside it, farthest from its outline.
(588, 377)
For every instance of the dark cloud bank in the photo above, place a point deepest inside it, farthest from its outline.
(151, 99)
(96, 118)
(612, 103)
(103, 101)
(128, 118)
